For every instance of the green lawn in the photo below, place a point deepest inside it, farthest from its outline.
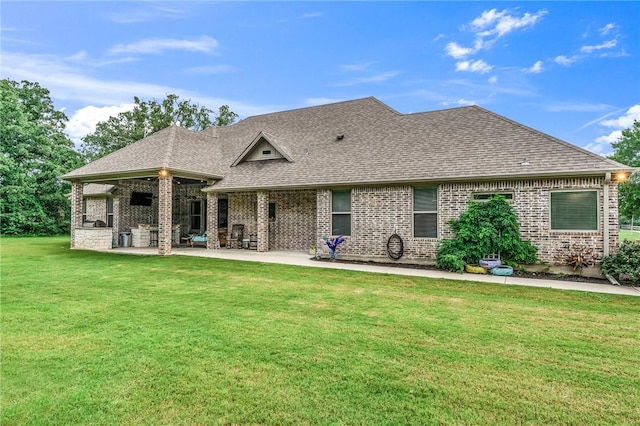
(629, 235)
(94, 338)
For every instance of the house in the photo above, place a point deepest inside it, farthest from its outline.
(356, 168)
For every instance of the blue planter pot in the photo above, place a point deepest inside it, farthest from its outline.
(503, 270)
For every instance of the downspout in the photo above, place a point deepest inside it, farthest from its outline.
(605, 207)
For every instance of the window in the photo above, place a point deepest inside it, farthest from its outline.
(223, 212)
(486, 196)
(195, 221)
(425, 212)
(272, 211)
(574, 210)
(341, 213)
(110, 212)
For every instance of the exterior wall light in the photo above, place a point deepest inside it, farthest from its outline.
(621, 176)
(163, 173)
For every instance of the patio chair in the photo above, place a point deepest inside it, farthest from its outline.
(235, 238)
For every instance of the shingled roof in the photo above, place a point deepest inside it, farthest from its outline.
(355, 143)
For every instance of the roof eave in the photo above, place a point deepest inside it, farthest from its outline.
(513, 176)
(143, 173)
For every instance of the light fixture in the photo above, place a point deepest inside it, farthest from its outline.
(163, 173)
(621, 176)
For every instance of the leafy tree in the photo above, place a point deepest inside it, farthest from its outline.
(485, 228)
(148, 117)
(35, 151)
(627, 151)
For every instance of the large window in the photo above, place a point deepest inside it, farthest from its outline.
(341, 213)
(574, 210)
(425, 212)
(110, 212)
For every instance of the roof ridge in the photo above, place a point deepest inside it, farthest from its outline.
(319, 106)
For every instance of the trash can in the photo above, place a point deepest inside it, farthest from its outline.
(125, 239)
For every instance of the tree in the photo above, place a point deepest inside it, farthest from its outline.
(148, 117)
(627, 151)
(35, 152)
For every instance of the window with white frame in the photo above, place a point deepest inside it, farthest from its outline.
(425, 212)
(574, 210)
(341, 212)
(109, 212)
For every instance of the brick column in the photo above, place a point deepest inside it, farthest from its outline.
(212, 220)
(263, 221)
(165, 206)
(76, 210)
(116, 219)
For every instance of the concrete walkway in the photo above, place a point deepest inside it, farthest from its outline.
(303, 259)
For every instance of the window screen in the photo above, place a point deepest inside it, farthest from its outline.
(425, 212)
(341, 213)
(574, 210)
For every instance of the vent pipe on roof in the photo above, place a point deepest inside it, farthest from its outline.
(340, 137)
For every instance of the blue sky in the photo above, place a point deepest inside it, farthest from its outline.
(570, 69)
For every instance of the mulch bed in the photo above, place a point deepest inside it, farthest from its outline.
(521, 274)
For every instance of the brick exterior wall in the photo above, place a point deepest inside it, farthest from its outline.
(76, 210)
(263, 221)
(93, 238)
(294, 227)
(96, 208)
(378, 212)
(212, 221)
(131, 216)
(165, 214)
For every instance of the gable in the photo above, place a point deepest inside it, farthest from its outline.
(263, 147)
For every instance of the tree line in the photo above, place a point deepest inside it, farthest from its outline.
(36, 151)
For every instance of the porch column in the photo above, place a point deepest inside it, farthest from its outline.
(263, 221)
(165, 206)
(212, 220)
(76, 210)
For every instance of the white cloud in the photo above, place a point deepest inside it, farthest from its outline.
(68, 81)
(602, 145)
(459, 102)
(210, 69)
(494, 23)
(535, 68)
(606, 29)
(606, 45)
(84, 120)
(564, 60)
(357, 67)
(478, 66)
(625, 121)
(493, 79)
(204, 44)
(456, 51)
(377, 78)
(312, 15)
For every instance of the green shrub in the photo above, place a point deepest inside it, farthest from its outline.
(625, 264)
(485, 228)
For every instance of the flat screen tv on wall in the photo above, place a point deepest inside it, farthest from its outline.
(141, 198)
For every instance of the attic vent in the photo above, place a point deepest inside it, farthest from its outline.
(266, 152)
(339, 137)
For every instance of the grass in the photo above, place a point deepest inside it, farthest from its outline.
(629, 235)
(102, 338)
